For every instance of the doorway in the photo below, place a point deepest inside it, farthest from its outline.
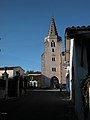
(54, 82)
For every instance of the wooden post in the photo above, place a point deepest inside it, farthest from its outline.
(18, 87)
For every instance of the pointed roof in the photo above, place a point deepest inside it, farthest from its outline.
(52, 29)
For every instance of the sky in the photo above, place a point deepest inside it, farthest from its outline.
(25, 23)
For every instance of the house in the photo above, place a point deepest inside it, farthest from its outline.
(10, 87)
(77, 48)
(33, 83)
(63, 68)
(34, 79)
(11, 71)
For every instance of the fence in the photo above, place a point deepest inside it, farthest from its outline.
(12, 87)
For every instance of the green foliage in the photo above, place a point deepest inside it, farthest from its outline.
(27, 72)
(85, 93)
(86, 90)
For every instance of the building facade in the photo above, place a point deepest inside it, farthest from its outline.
(12, 71)
(34, 77)
(63, 68)
(51, 68)
(77, 41)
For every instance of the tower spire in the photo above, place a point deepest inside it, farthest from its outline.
(52, 29)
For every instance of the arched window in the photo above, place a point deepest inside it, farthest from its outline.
(52, 44)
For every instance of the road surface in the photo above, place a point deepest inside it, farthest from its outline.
(38, 104)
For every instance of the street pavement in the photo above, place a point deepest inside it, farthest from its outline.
(38, 104)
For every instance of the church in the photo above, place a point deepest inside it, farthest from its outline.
(52, 59)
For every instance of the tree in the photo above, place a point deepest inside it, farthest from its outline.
(27, 72)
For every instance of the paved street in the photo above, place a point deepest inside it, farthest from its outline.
(38, 105)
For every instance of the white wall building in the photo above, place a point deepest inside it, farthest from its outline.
(78, 39)
(12, 71)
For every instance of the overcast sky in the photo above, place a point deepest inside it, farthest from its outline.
(25, 23)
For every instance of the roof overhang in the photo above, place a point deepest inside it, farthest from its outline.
(78, 32)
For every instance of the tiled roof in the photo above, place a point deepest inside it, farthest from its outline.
(10, 68)
(32, 72)
(79, 30)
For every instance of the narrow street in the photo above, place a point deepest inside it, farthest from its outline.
(37, 104)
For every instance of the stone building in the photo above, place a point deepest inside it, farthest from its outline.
(52, 59)
(63, 68)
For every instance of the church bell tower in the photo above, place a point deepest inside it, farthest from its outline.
(50, 69)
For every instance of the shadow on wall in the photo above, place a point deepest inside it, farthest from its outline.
(52, 83)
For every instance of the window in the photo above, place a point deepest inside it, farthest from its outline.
(54, 69)
(52, 49)
(53, 58)
(52, 44)
(51, 31)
